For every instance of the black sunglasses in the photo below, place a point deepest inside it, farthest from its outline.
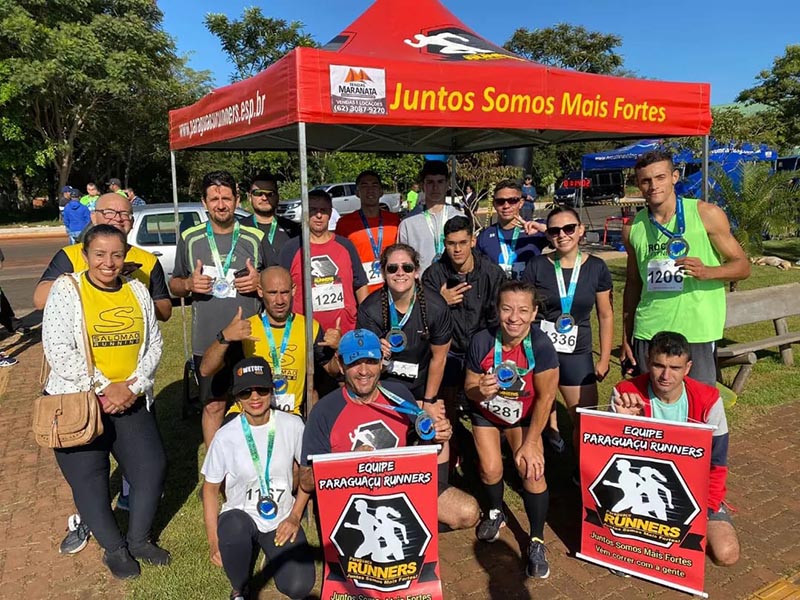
(511, 201)
(267, 193)
(245, 394)
(407, 268)
(568, 229)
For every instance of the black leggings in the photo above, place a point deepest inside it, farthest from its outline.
(292, 563)
(133, 438)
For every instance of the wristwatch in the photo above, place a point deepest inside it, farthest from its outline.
(430, 400)
(221, 338)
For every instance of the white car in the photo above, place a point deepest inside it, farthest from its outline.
(344, 199)
(154, 228)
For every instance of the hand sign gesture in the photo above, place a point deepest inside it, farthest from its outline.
(247, 284)
(238, 329)
(333, 336)
(199, 283)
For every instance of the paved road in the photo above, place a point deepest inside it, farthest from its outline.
(26, 259)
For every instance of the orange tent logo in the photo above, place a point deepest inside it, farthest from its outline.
(356, 75)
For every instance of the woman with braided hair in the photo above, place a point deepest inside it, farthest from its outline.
(415, 326)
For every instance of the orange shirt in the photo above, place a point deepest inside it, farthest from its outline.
(352, 227)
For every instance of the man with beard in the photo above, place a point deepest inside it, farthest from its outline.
(336, 424)
(216, 264)
(264, 199)
(278, 336)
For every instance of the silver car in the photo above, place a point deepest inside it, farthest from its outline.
(154, 228)
(344, 199)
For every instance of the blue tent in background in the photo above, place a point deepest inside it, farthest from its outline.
(728, 157)
(626, 157)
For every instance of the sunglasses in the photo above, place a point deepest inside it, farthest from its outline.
(260, 391)
(568, 229)
(267, 193)
(511, 201)
(394, 268)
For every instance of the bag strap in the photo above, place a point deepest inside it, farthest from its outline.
(87, 347)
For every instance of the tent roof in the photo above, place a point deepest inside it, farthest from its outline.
(402, 80)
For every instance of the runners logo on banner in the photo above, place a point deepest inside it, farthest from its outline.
(644, 486)
(378, 515)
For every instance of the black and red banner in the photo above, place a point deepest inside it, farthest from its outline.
(644, 486)
(378, 519)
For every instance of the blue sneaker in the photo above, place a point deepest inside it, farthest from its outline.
(77, 536)
(7, 361)
(537, 562)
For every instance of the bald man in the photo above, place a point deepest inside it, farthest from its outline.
(110, 209)
(277, 335)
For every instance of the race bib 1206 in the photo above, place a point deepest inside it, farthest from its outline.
(663, 275)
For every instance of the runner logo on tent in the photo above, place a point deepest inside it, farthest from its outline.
(453, 43)
(645, 499)
(358, 90)
(381, 542)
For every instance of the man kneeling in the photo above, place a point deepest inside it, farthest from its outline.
(665, 392)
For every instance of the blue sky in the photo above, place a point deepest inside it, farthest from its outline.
(723, 42)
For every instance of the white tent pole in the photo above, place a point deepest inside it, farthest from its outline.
(306, 239)
(705, 169)
(186, 354)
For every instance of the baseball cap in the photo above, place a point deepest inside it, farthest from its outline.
(66, 188)
(358, 344)
(114, 181)
(251, 373)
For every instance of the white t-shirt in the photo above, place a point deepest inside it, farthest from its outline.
(228, 459)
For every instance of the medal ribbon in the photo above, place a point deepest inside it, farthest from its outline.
(526, 345)
(222, 270)
(508, 251)
(376, 248)
(272, 228)
(567, 297)
(680, 221)
(277, 357)
(393, 311)
(438, 240)
(263, 479)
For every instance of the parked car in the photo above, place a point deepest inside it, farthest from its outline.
(598, 185)
(344, 199)
(154, 228)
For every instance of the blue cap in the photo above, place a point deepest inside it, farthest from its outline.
(358, 344)
(66, 189)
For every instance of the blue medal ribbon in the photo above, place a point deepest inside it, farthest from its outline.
(277, 356)
(376, 246)
(396, 338)
(422, 422)
(677, 246)
(438, 237)
(507, 379)
(267, 507)
(566, 321)
(508, 251)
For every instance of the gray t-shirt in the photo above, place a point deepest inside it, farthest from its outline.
(418, 232)
(210, 314)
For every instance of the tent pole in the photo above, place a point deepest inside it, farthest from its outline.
(186, 354)
(306, 239)
(705, 169)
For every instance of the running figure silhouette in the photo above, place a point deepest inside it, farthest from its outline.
(641, 492)
(381, 541)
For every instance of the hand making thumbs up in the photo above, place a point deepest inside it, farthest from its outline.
(333, 336)
(199, 283)
(248, 282)
(238, 329)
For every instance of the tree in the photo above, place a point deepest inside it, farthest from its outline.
(569, 47)
(255, 41)
(779, 87)
(73, 65)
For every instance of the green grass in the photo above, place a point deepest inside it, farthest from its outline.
(180, 520)
(34, 217)
(788, 248)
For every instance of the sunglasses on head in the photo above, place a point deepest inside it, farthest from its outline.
(407, 268)
(267, 193)
(511, 201)
(245, 394)
(568, 229)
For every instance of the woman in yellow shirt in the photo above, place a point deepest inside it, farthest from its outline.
(126, 346)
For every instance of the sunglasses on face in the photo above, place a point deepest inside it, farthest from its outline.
(245, 394)
(511, 201)
(267, 193)
(407, 268)
(568, 229)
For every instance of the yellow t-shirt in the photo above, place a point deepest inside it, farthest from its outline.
(293, 362)
(148, 261)
(115, 325)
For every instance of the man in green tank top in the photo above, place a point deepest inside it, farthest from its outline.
(680, 254)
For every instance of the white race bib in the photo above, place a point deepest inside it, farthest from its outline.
(327, 297)
(403, 369)
(562, 342)
(284, 402)
(213, 273)
(373, 277)
(663, 275)
(509, 411)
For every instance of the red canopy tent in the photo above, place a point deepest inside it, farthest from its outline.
(411, 77)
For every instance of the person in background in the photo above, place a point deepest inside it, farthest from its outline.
(7, 319)
(528, 197)
(63, 200)
(115, 185)
(91, 197)
(135, 200)
(75, 217)
(412, 197)
(264, 199)
(125, 367)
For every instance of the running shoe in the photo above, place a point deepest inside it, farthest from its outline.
(151, 554)
(537, 562)
(77, 536)
(489, 529)
(7, 361)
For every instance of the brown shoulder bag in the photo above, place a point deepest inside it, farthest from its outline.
(69, 420)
